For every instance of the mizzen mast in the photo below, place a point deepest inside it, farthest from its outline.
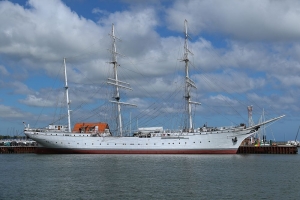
(116, 82)
(189, 83)
(67, 96)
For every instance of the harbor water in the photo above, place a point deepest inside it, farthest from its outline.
(250, 176)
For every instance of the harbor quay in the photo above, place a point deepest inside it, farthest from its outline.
(17, 149)
(267, 147)
(17, 146)
(278, 149)
(29, 146)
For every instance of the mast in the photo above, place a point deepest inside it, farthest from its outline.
(67, 96)
(250, 119)
(116, 82)
(188, 83)
(263, 128)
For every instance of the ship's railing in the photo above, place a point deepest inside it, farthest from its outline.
(206, 129)
(45, 130)
(202, 130)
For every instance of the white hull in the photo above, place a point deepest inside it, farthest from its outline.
(207, 142)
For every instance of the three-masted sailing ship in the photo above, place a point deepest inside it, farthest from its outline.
(96, 138)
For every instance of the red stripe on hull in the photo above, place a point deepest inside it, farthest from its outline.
(42, 150)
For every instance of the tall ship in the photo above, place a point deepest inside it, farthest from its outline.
(97, 138)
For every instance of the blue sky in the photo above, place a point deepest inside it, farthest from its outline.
(245, 53)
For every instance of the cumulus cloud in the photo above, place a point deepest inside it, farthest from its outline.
(272, 103)
(220, 99)
(50, 97)
(20, 88)
(10, 112)
(100, 11)
(44, 31)
(287, 81)
(136, 30)
(32, 100)
(3, 71)
(247, 20)
(229, 82)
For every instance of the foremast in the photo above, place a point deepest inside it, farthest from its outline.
(67, 96)
(116, 82)
(189, 83)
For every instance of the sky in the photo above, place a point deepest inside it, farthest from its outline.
(243, 53)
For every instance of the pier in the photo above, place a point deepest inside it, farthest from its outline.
(17, 149)
(279, 149)
(242, 149)
(27, 146)
(267, 147)
(17, 146)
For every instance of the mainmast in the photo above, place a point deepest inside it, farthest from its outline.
(116, 82)
(188, 83)
(67, 96)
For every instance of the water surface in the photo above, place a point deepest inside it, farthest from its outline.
(31, 176)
